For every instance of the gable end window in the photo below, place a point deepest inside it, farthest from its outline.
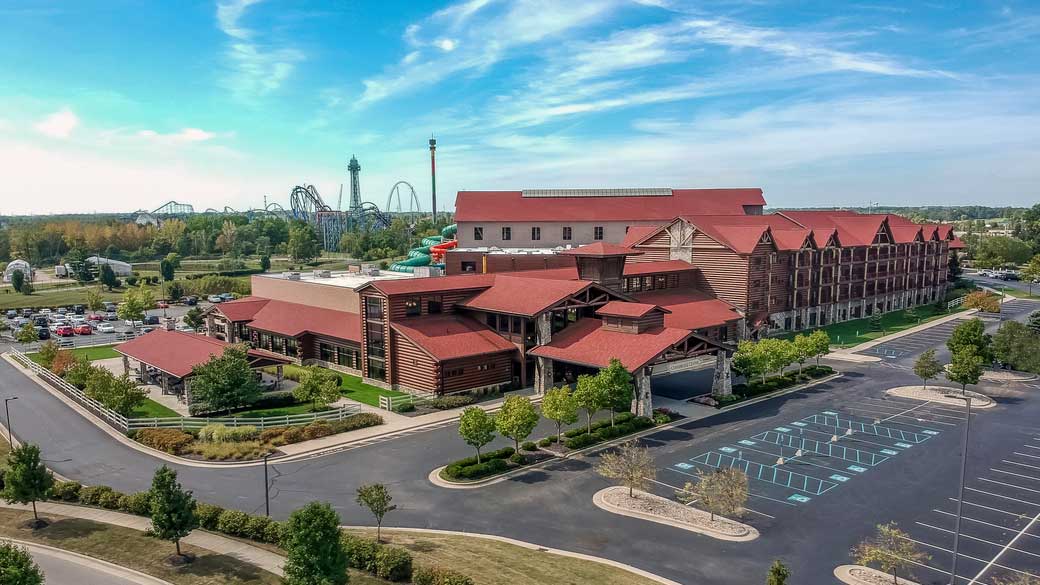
(597, 232)
(507, 233)
(478, 233)
(567, 232)
(536, 233)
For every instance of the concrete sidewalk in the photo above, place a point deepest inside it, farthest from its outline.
(242, 551)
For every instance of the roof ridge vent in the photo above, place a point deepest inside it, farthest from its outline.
(630, 192)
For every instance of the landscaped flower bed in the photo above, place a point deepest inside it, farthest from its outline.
(755, 388)
(625, 423)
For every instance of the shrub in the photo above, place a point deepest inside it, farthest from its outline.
(229, 451)
(110, 500)
(438, 576)
(208, 515)
(91, 495)
(218, 433)
(454, 469)
(269, 435)
(66, 491)
(357, 421)
(168, 440)
(293, 435)
(546, 442)
(662, 419)
(139, 503)
(393, 564)
(479, 470)
(518, 459)
(256, 527)
(273, 532)
(529, 446)
(581, 441)
(317, 430)
(233, 522)
(404, 407)
(362, 552)
(447, 402)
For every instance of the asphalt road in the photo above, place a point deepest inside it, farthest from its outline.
(63, 569)
(553, 507)
(997, 283)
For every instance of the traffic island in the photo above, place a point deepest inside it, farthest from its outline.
(647, 506)
(941, 395)
(1007, 376)
(860, 575)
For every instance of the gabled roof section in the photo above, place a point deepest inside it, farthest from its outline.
(637, 234)
(587, 343)
(906, 234)
(418, 285)
(243, 309)
(794, 239)
(690, 309)
(177, 352)
(636, 205)
(957, 244)
(520, 295)
(294, 319)
(740, 239)
(448, 336)
(657, 267)
(626, 309)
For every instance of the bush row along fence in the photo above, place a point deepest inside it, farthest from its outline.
(124, 424)
(955, 302)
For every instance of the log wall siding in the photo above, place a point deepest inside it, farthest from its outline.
(759, 270)
(655, 249)
(723, 273)
(413, 367)
(499, 371)
(651, 320)
(398, 309)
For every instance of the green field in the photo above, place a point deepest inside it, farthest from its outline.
(850, 333)
(152, 409)
(97, 352)
(352, 387)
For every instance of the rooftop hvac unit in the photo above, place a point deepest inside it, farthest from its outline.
(291, 275)
(427, 271)
(322, 274)
(370, 269)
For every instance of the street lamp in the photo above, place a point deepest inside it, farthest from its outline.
(960, 495)
(7, 412)
(267, 490)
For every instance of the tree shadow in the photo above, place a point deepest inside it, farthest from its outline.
(66, 528)
(225, 566)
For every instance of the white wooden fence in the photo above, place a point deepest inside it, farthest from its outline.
(125, 424)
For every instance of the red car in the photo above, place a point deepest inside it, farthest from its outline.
(95, 317)
(64, 331)
(83, 329)
(162, 305)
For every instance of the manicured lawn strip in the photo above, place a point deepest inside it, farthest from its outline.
(850, 333)
(98, 352)
(756, 388)
(152, 409)
(132, 549)
(353, 388)
(301, 408)
(491, 562)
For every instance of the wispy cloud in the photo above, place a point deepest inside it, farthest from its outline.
(60, 124)
(182, 136)
(256, 69)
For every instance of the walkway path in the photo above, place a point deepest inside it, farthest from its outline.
(62, 567)
(242, 551)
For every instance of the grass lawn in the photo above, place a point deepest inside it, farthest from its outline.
(152, 409)
(132, 549)
(98, 352)
(302, 408)
(490, 562)
(851, 333)
(352, 388)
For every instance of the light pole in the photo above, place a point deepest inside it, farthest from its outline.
(267, 490)
(960, 494)
(7, 413)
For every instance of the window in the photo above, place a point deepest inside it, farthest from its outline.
(373, 308)
(597, 232)
(376, 369)
(660, 281)
(536, 233)
(483, 367)
(503, 323)
(433, 306)
(567, 232)
(507, 233)
(469, 266)
(290, 346)
(516, 325)
(453, 372)
(413, 307)
(492, 320)
(326, 353)
(478, 233)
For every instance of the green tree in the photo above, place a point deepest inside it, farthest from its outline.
(47, 352)
(1031, 272)
(94, 301)
(376, 498)
(965, 368)
(108, 277)
(723, 492)
(953, 265)
(120, 393)
(477, 428)
(559, 406)
(314, 555)
(778, 353)
(1017, 346)
(750, 361)
(265, 263)
(28, 288)
(804, 348)
(927, 367)
(17, 566)
(27, 479)
(17, 280)
(194, 318)
(225, 381)
(821, 344)
(890, 550)
(167, 270)
(172, 508)
(999, 251)
(630, 465)
(303, 242)
(133, 306)
(590, 396)
(971, 333)
(875, 321)
(319, 386)
(1034, 321)
(617, 384)
(778, 574)
(27, 334)
(516, 419)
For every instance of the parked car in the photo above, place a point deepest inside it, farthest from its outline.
(105, 328)
(162, 304)
(147, 329)
(131, 323)
(41, 321)
(77, 319)
(64, 331)
(1008, 275)
(184, 327)
(227, 296)
(111, 316)
(20, 322)
(27, 312)
(42, 333)
(79, 309)
(215, 299)
(151, 320)
(62, 310)
(83, 329)
(110, 306)
(95, 317)
(190, 300)
(45, 312)
(12, 314)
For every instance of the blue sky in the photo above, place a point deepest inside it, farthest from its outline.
(118, 104)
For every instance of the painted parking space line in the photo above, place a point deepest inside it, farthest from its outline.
(768, 474)
(1001, 496)
(888, 419)
(897, 403)
(1007, 547)
(852, 439)
(983, 522)
(750, 493)
(676, 488)
(1014, 474)
(794, 459)
(824, 448)
(992, 509)
(977, 539)
(874, 414)
(868, 428)
(1011, 485)
(1037, 467)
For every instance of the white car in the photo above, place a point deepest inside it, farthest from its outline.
(78, 319)
(184, 327)
(105, 328)
(132, 323)
(45, 311)
(215, 299)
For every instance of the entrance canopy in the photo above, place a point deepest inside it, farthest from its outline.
(177, 352)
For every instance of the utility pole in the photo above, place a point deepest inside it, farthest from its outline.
(960, 494)
(433, 176)
(7, 413)
(267, 490)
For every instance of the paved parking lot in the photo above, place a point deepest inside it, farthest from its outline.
(914, 343)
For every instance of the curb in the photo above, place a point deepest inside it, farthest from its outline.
(97, 564)
(776, 393)
(844, 574)
(530, 546)
(983, 400)
(923, 326)
(600, 502)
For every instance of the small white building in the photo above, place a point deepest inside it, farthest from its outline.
(21, 265)
(119, 268)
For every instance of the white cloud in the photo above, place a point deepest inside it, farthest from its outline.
(182, 136)
(257, 69)
(60, 124)
(446, 45)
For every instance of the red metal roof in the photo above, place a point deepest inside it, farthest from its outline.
(627, 309)
(512, 206)
(905, 234)
(638, 233)
(176, 352)
(400, 286)
(690, 309)
(294, 319)
(447, 337)
(601, 249)
(641, 268)
(517, 294)
(241, 309)
(587, 343)
(739, 238)
(957, 244)
(792, 239)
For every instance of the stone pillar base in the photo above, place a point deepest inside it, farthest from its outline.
(722, 381)
(643, 403)
(543, 375)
